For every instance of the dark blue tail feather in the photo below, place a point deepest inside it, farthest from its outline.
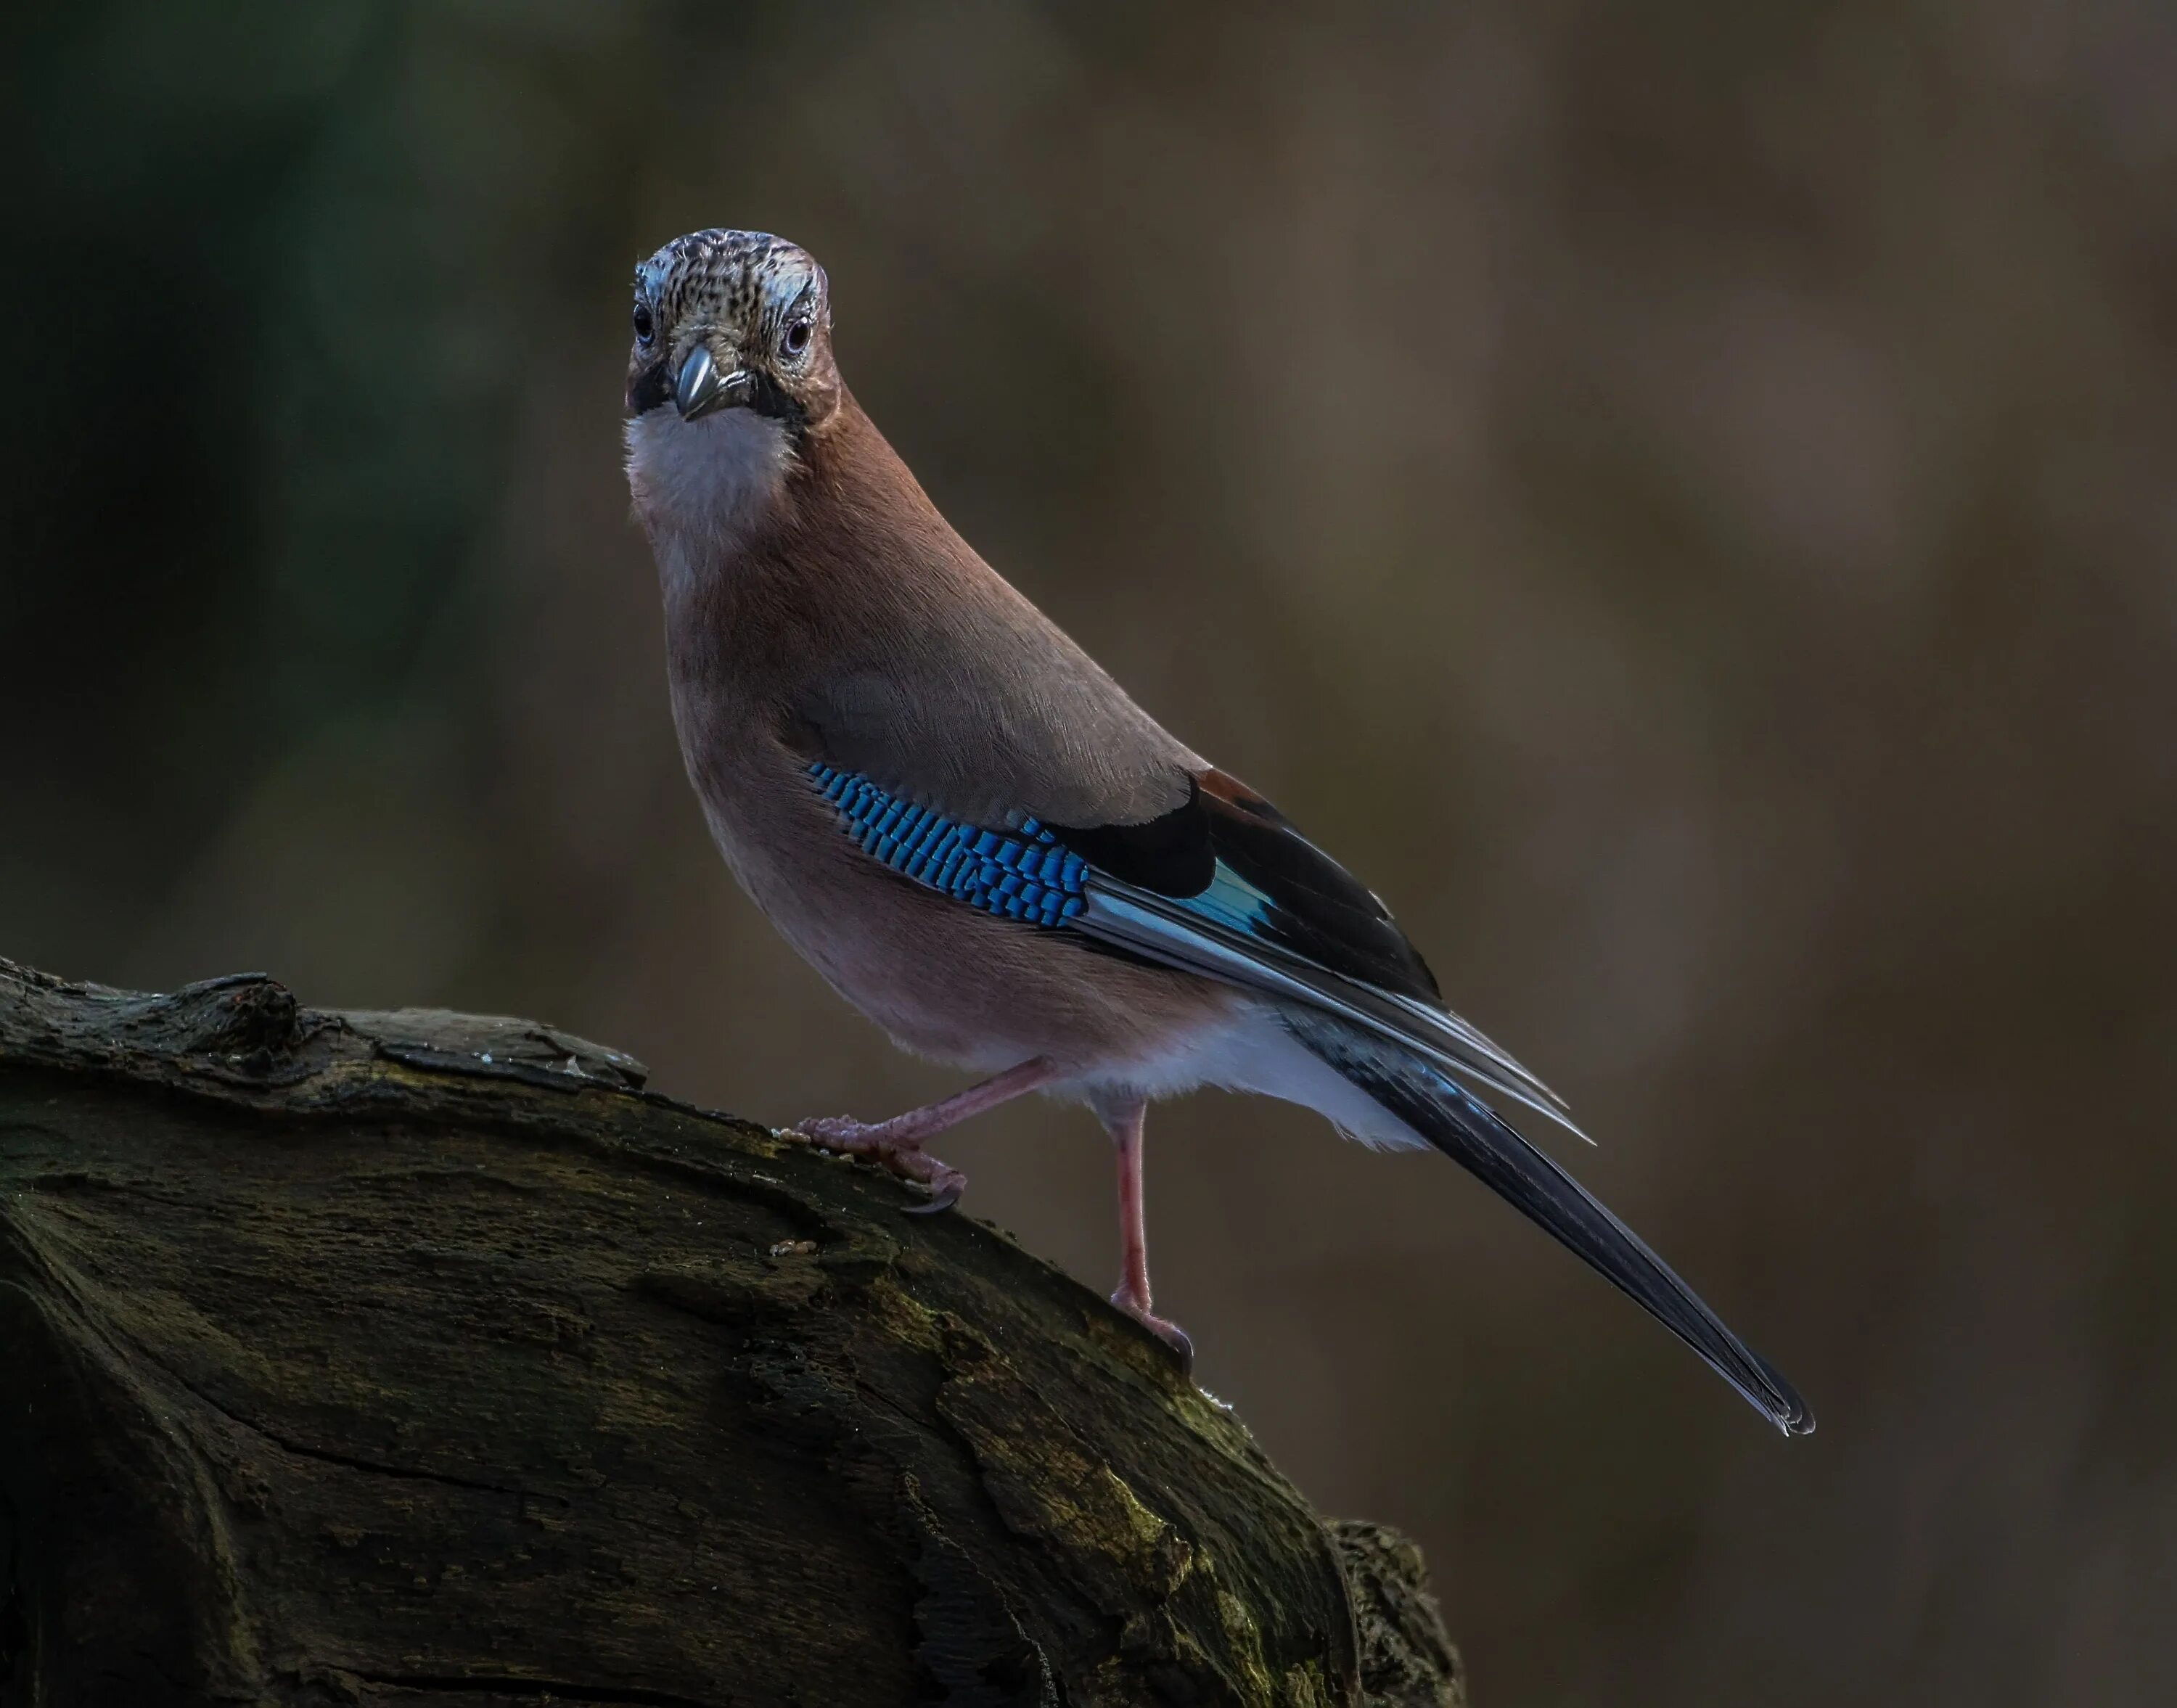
(1472, 1134)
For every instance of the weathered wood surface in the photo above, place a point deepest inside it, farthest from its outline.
(418, 1358)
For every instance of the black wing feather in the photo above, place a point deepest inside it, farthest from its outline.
(1319, 911)
(1225, 885)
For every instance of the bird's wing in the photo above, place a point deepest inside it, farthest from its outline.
(1220, 884)
(975, 712)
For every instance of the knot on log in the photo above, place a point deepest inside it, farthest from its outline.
(422, 1358)
(245, 1016)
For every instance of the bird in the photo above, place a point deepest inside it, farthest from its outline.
(978, 840)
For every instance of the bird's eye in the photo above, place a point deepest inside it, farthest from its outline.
(646, 329)
(797, 337)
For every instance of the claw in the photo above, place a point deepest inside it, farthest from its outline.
(947, 1196)
(1168, 1332)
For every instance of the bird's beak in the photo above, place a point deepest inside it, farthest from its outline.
(702, 388)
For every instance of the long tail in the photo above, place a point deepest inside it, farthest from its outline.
(1470, 1133)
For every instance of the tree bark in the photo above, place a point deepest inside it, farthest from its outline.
(421, 1358)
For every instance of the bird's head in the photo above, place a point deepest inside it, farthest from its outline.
(727, 320)
(730, 372)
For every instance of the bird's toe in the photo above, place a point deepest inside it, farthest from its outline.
(899, 1152)
(836, 1133)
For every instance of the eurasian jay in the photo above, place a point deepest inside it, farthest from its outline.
(980, 840)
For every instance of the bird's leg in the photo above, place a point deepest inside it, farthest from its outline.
(897, 1143)
(1125, 1126)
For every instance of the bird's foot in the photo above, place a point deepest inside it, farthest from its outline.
(896, 1146)
(1163, 1328)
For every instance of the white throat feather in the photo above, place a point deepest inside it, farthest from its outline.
(701, 486)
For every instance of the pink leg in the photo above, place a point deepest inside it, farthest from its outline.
(897, 1143)
(1133, 1294)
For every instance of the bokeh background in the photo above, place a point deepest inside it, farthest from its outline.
(1682, 497)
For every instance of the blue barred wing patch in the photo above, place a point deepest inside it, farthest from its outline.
(1020, 874)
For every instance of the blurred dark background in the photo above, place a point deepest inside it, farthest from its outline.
(1680, 497)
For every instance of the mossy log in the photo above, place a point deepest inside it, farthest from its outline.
(419, 1358)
